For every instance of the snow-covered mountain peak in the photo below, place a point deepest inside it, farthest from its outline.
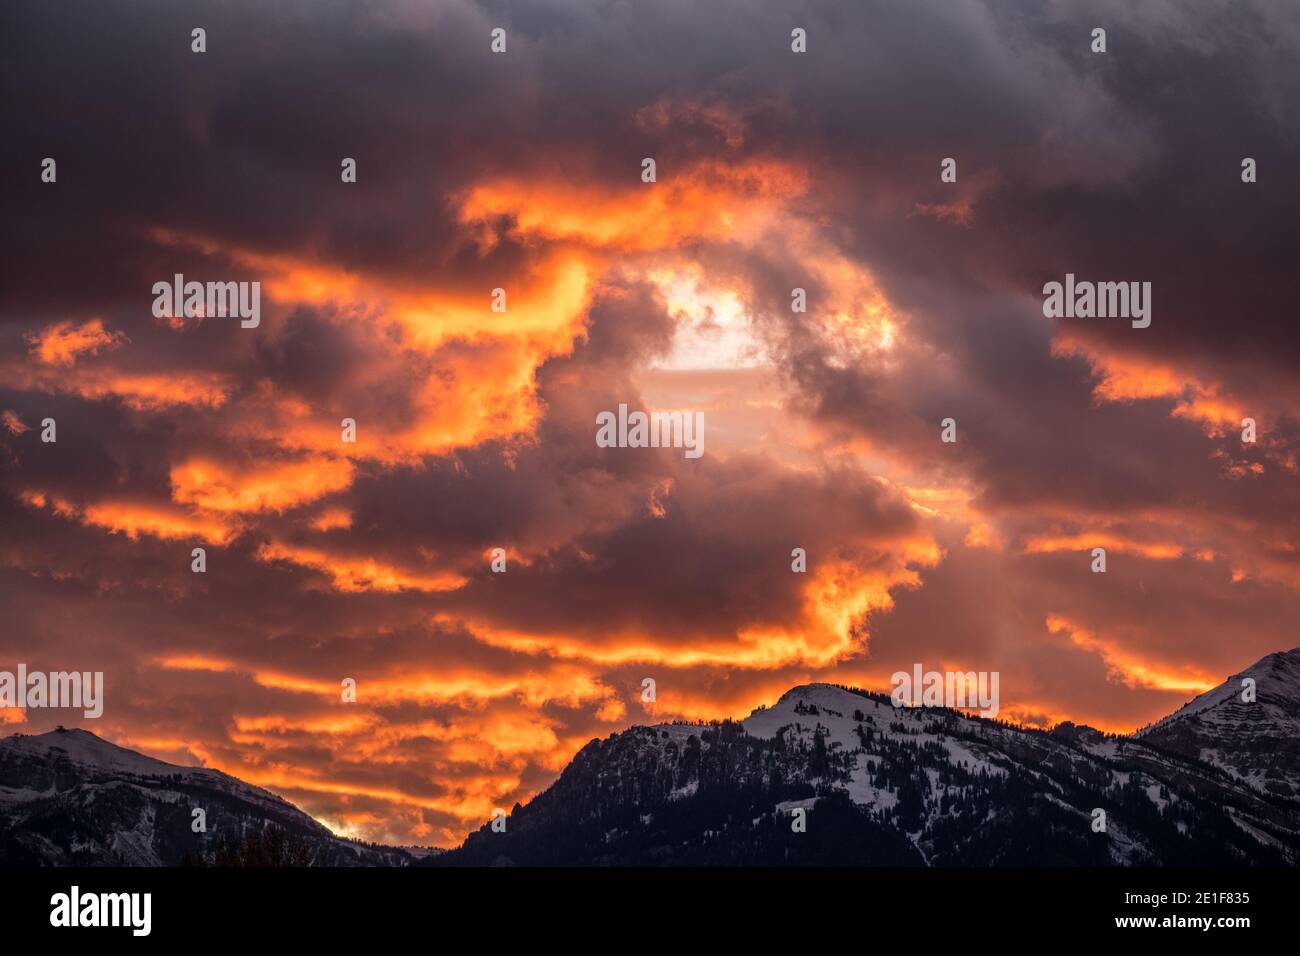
(1277, 684)
(812, 704)
(1255, 740)
(69, 797)
(87, 750)
(817, 692)
(67, 755)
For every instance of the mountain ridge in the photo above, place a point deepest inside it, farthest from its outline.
(1214, 782)
(928, 786)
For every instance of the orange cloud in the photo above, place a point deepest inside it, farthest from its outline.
(258, 486)
(1125, 379)
(486, 362)
(1126, 667)
(462, 684)
(477, 751)
(336, 723)
(63, 343)
(837, 599)
(332, 519)
(1086, 541)
(190, 662)
(483, 386)
(352, 574)
(142, 392)
(708, 200)
(12, 423)
(134, 518)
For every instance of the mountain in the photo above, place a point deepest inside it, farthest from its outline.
(70, 798)
(1214, 783)
(1257, 743)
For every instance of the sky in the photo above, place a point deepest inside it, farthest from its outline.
(475, 429)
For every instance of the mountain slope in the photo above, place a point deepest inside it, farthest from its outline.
(887, 786)
(68, 797)
(1256, 742)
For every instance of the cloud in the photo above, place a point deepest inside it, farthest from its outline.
(62, 343)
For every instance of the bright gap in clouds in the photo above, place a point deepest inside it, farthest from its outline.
(713, 329)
